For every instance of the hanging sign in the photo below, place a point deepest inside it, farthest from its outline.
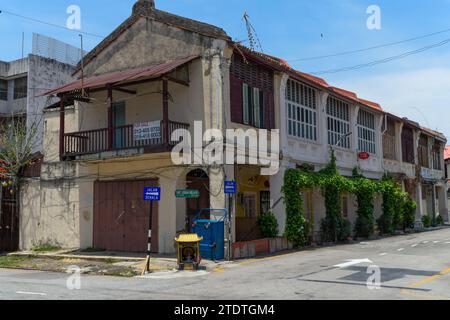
(147, 130)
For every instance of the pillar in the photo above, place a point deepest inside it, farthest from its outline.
(62, 126)
(419, 209)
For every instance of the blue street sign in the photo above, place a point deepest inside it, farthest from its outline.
(230, 187)
(152, 194)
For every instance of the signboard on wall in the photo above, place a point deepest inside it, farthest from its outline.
(363, 155)
(187, 194)
(147, 130)
(152, 194)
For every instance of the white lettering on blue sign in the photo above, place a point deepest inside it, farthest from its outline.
(152, 194)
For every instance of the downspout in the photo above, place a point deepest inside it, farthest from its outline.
(382, 146)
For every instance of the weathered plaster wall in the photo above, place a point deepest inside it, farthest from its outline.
(151, 42)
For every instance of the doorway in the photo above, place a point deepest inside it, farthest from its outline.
(119, 120)
(197, 180)
(121, 216)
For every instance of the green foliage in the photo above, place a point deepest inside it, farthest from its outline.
(333, 227)
(297, 228)
(398, 207)
(45, 246)
(409, 212)
(268, 225)
(427, 221)
(439, 220)
(337, 230)
(365, 190)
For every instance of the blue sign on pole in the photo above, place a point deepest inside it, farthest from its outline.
(152, 194)
(230, 187)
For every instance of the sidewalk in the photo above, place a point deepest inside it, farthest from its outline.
(99, 263)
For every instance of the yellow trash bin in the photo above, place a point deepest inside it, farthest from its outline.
(188, 251)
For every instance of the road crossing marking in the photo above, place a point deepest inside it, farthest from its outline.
(32, 293)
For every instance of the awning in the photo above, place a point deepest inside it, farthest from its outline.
(121, 77)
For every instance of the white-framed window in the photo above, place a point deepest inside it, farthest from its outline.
(249, 203)
(301, 105)
(338, 122)
(366, 132)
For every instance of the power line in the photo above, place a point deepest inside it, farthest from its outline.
(50, 24)
(381, 61)
(389, 44)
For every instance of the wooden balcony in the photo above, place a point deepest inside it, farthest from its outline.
(116, 138)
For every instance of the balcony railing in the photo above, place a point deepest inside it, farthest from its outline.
(122, 138)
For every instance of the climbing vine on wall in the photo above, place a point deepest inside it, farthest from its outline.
(398, 207)
(297, 229)
(364, 190)
(334, 227)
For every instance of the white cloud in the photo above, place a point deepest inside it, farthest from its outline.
(422, 95)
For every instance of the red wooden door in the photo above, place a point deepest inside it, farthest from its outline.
(121, 216)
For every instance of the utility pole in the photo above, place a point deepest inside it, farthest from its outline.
(82, 66)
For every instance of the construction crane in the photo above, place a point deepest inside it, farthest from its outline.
(253, 39)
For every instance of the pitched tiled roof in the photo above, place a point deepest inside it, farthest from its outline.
(281, 65)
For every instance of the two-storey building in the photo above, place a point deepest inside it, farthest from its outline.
(110, 135)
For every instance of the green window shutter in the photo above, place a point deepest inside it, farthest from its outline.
(256, 108)
(246, 106)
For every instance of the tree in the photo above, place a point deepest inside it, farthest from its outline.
(17, 147)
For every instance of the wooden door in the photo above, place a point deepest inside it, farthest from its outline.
(121, 216)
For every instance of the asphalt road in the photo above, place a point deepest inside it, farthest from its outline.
(410, 267)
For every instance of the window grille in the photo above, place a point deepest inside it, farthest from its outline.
(3, 90)
(366, 132)
(389, 140)
(423, 152)
(20, 88)
(436, 156)
(301, 110)
(338, 122)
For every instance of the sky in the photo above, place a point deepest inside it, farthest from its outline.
(416, 86)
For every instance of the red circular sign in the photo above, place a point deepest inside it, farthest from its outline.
(363, 155)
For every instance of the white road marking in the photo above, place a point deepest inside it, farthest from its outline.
(174, 275)
(425, 242)
(31, 293)
(401, 249)
(350, 263)
(414, 245)
(436, 241)
(448, 242)
(383, 254)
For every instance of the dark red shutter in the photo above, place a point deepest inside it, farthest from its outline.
(236, 99)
